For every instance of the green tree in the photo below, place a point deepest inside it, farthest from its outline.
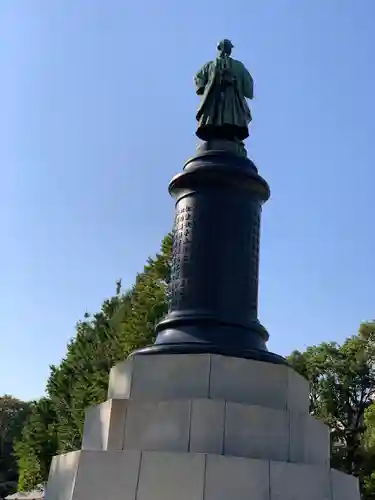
(369, 451)
(37, 445)
(342, 387)
(13, 414)
(124, 323)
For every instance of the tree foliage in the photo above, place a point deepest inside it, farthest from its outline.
(38, 444)
(342, 388)
(13, 414)
(125, 322)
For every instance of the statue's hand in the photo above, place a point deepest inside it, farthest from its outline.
(200, 90)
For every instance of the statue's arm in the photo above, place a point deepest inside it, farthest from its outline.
(248, 84)
(201, 79)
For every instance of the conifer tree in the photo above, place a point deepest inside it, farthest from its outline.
(125, 323)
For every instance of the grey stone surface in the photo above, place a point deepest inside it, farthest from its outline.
(120, 378)
(158, 426)
(317, 442)
(207, 426)
(253, 431)
(309, 440)
(104, 426)
(96, 427)
(299, 482)
(94, 475)
(171, 476)
(344, 487)
(248, 381)
(200, 425)
(298, 393)
(62, 476)
(111, 475)
(189, 376)
(156, 475)
(232, 478)
(161, 377)
(258, 383)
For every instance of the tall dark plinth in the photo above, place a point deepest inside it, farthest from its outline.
(215, 265)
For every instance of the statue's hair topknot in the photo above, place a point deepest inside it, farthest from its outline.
(222, 43)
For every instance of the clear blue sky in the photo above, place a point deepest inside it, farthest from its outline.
(97, 111)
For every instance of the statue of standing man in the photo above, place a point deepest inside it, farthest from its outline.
(224, 85)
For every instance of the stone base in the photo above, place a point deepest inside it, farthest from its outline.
(194, 427)
(150, 475)
(207, 426)
(188, 376)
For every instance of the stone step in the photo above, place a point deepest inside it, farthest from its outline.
(207, 426)
(150, 475)
(189, 376)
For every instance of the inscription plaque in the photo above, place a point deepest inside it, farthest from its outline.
(182, 280)
(203, 242)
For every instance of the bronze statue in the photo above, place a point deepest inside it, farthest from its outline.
(224, 85)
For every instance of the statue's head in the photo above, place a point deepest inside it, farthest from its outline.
(225, 47)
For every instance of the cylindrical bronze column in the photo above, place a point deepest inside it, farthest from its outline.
(215, 264)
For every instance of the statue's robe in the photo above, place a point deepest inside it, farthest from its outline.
(223, 112)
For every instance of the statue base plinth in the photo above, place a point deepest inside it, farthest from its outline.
(204, 426)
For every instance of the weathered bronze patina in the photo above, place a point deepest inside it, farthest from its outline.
(224, 85)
